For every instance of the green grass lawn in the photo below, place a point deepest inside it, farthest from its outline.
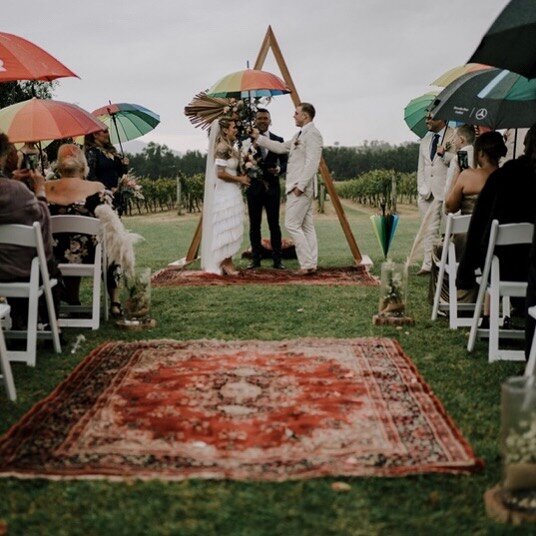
(442, 504)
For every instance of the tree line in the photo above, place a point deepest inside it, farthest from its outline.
(345, 163)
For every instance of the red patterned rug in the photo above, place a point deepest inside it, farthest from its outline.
(246, 410)
(358, 275)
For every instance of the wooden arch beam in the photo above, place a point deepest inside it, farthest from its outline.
(270, 42)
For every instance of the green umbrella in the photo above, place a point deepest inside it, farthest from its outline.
(127, 121)
(510, 43)
(415, 113)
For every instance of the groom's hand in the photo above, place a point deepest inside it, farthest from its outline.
(297, 192)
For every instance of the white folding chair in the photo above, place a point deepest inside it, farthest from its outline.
(5, 366)
(500, 235)
(530, 369)
(456, 224)
(30, 236)
(89, 226)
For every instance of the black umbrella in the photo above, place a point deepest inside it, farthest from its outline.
(459, 101)
(510, 43)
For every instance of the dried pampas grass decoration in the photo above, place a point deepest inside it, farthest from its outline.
(203, 110)
(119, 242)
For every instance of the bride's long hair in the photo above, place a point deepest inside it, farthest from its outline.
(223, 144)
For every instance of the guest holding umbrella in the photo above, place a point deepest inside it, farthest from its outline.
(105, 164)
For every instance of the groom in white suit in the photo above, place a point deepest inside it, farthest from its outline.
(305, 151)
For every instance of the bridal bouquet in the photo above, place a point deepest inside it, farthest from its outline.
(249, 160)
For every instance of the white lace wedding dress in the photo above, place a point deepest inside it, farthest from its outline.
(223, 214)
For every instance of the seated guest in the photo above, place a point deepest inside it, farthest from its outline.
(508, 196)
(463, 142)
(488, 149)
(73, 194)
(23, 205)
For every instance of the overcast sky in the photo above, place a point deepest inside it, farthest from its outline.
(358, 61)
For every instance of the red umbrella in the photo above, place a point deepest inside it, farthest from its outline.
(22, 60)
(42, 119)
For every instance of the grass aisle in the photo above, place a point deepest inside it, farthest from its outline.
(443, 504)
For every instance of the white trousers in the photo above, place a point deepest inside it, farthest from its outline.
(299, 224)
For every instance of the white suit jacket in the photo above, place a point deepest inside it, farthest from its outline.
(304, 153)
(432, 175)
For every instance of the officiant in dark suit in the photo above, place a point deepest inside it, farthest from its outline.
(265, 192)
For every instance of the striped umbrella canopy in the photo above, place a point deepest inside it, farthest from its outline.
(453, 74)
(22, 60)
(43, 119)
(463, 100)
(416, 110)
(510, 86)
(248, 83)
(126, 121)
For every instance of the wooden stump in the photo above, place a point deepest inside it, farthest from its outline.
(498, 511)
(391, 320)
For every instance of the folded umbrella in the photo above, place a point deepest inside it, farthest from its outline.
(22, 60)
(385, 226)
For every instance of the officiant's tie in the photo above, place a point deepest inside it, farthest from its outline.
(433, 146)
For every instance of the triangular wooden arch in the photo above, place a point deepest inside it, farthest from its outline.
(270, 42)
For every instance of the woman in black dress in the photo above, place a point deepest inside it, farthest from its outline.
(105, 164)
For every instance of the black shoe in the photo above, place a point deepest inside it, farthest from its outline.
(253, 264)
(278, 265)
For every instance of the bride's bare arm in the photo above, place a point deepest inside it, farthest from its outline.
(227, 177)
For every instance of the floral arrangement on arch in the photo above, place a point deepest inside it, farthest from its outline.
(203, 110)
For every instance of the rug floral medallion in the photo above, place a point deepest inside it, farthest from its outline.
(245, 410)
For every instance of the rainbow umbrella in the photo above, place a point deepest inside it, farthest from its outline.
(248, 83)
(22, 60)
(130, 121)
(384, 226)
(43, 119)
(453, 74)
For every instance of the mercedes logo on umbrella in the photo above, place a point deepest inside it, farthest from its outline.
(481, 114)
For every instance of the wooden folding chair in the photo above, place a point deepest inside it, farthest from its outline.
(456, 224)
(73, 224)
(500, 235)
(5, 366)
(30, 236)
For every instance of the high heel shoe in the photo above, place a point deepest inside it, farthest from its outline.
(229, 269)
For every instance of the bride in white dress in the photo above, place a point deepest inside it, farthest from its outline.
(223, 205)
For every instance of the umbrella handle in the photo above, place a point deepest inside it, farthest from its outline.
(118, 136)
